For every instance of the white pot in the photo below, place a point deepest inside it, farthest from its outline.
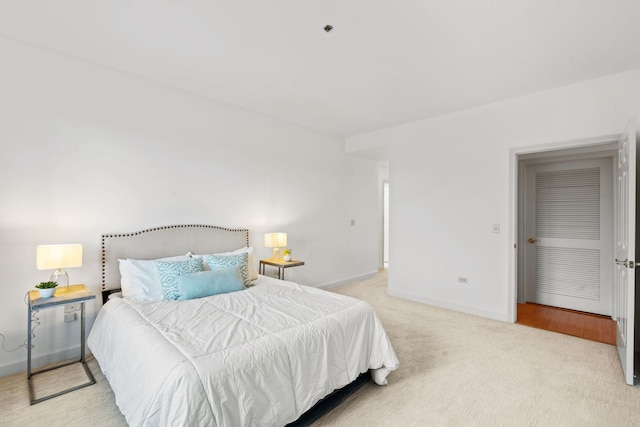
(47, 293)
(287, 257)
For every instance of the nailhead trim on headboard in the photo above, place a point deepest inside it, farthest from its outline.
(166, 227)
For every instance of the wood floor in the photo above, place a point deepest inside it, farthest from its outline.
(589, 326)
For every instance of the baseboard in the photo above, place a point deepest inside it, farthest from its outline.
(348, 280)
(41, 360)
(445, 304)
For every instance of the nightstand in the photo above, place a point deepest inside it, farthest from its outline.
(75, 294)
(280, 264)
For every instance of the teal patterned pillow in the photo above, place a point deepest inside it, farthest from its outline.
(226, 261)
(168, 271)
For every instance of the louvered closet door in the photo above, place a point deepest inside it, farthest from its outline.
(569, 231)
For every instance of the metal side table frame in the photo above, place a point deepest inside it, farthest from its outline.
(73, 295)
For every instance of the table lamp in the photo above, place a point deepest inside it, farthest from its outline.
(57, 257)
(275, 241)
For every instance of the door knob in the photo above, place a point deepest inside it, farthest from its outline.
(532, 240)
(627, 263)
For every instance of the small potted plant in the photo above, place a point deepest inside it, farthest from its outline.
(287, 255)
(46, 289)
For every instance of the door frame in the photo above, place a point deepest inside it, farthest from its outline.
(586, 147)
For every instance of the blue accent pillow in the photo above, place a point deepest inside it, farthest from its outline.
(206, 283)
(168, 271)
(217, 262)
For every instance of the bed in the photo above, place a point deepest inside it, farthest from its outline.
(262, 355)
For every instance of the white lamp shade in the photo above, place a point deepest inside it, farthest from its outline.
(275, 240)
(50, 257)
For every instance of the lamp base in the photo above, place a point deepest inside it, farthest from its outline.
(275, 253)
(61, 278)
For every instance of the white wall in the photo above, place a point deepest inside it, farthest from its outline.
(451, 181)
(86, 150)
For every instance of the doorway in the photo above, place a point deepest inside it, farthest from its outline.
(568, 222)
(385, 224)
(565, 231)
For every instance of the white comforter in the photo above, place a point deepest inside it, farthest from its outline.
(262, 356)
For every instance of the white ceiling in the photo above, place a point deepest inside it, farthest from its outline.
(385, 63)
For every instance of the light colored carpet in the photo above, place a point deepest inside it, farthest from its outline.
(93, 405)
(456, 370)
(462, 370)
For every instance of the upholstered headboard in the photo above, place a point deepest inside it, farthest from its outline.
(162, 242)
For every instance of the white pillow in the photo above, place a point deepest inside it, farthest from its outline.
(253, 271)
(139, 278)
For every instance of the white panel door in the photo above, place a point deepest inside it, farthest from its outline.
(569, 228)
(624, 284)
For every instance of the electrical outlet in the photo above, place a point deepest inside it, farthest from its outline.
(495, 228)
(71, 308)
(70, 317)
(463, 279)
